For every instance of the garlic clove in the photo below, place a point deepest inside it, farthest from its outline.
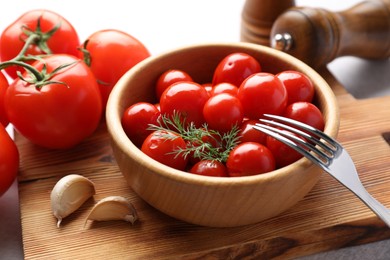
(68, 194)
(113, 208)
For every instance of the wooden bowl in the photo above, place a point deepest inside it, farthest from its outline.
(202, 200)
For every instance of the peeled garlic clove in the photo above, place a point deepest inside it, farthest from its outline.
(113, 208)
(69, 193)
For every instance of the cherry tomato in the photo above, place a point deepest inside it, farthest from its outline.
(3, 88)
(208, 87)
(209, 168)
(162, 147)
(56, 115)
(250, 134)
(307, 113)
(235, 68)
(168, 78)
(63, 41)
(9, 160)
(222, 112)
(185, 98)
(262, 93)
(250, 158)
(283, 154)
(136, 120)
(299, 87)
(112, 53)
(224, 87)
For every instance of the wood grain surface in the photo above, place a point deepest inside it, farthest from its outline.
(329, 217)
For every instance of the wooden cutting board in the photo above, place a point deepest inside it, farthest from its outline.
(329, 217)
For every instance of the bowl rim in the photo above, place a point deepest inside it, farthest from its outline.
(117, 134)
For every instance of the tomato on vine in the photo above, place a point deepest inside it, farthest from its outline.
(109, 54)
(44, 31)
(57, 104)
(9, 160)
(3, 88)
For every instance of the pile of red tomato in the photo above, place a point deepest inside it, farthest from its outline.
(57, 86)
(226, 109)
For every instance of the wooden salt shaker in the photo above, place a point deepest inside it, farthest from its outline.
(317, 36)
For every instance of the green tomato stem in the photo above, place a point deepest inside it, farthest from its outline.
(30, 40)
(37, 74)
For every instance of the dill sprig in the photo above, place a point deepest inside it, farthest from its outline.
(202, 143)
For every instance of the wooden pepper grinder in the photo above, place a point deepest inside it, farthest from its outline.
(317, 36)
(257, 18)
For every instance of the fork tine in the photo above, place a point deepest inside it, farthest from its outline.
(320, 158)
(305, 127)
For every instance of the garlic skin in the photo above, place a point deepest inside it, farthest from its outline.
(113, 208)
(69, 193)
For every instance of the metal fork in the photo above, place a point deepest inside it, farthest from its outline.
(325, 152)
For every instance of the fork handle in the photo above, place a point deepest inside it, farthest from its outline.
(379, 209)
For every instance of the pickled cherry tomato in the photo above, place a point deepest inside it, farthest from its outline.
(209, 168)
(307, 113)
(136, 120)
(250, 158)
(299, 87)
(168, 78)
(262, 93)
(185, 98)
(235, 68)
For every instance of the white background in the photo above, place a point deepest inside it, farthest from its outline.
(166, 24)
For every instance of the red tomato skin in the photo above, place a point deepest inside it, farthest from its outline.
(136, 120)
(248, 159)
(299, 87)
(209, 168)
(168, 78)
(262, 93)
(284, 155)
(57, 116)
(3, 89)
(208, 87)
(222, 112)
(224, 87)
(113, 53)
(64, 41)
(161, 149)
(9, 161)
(235, 68)
(249, 134)
(186, 98)
(307, 113)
